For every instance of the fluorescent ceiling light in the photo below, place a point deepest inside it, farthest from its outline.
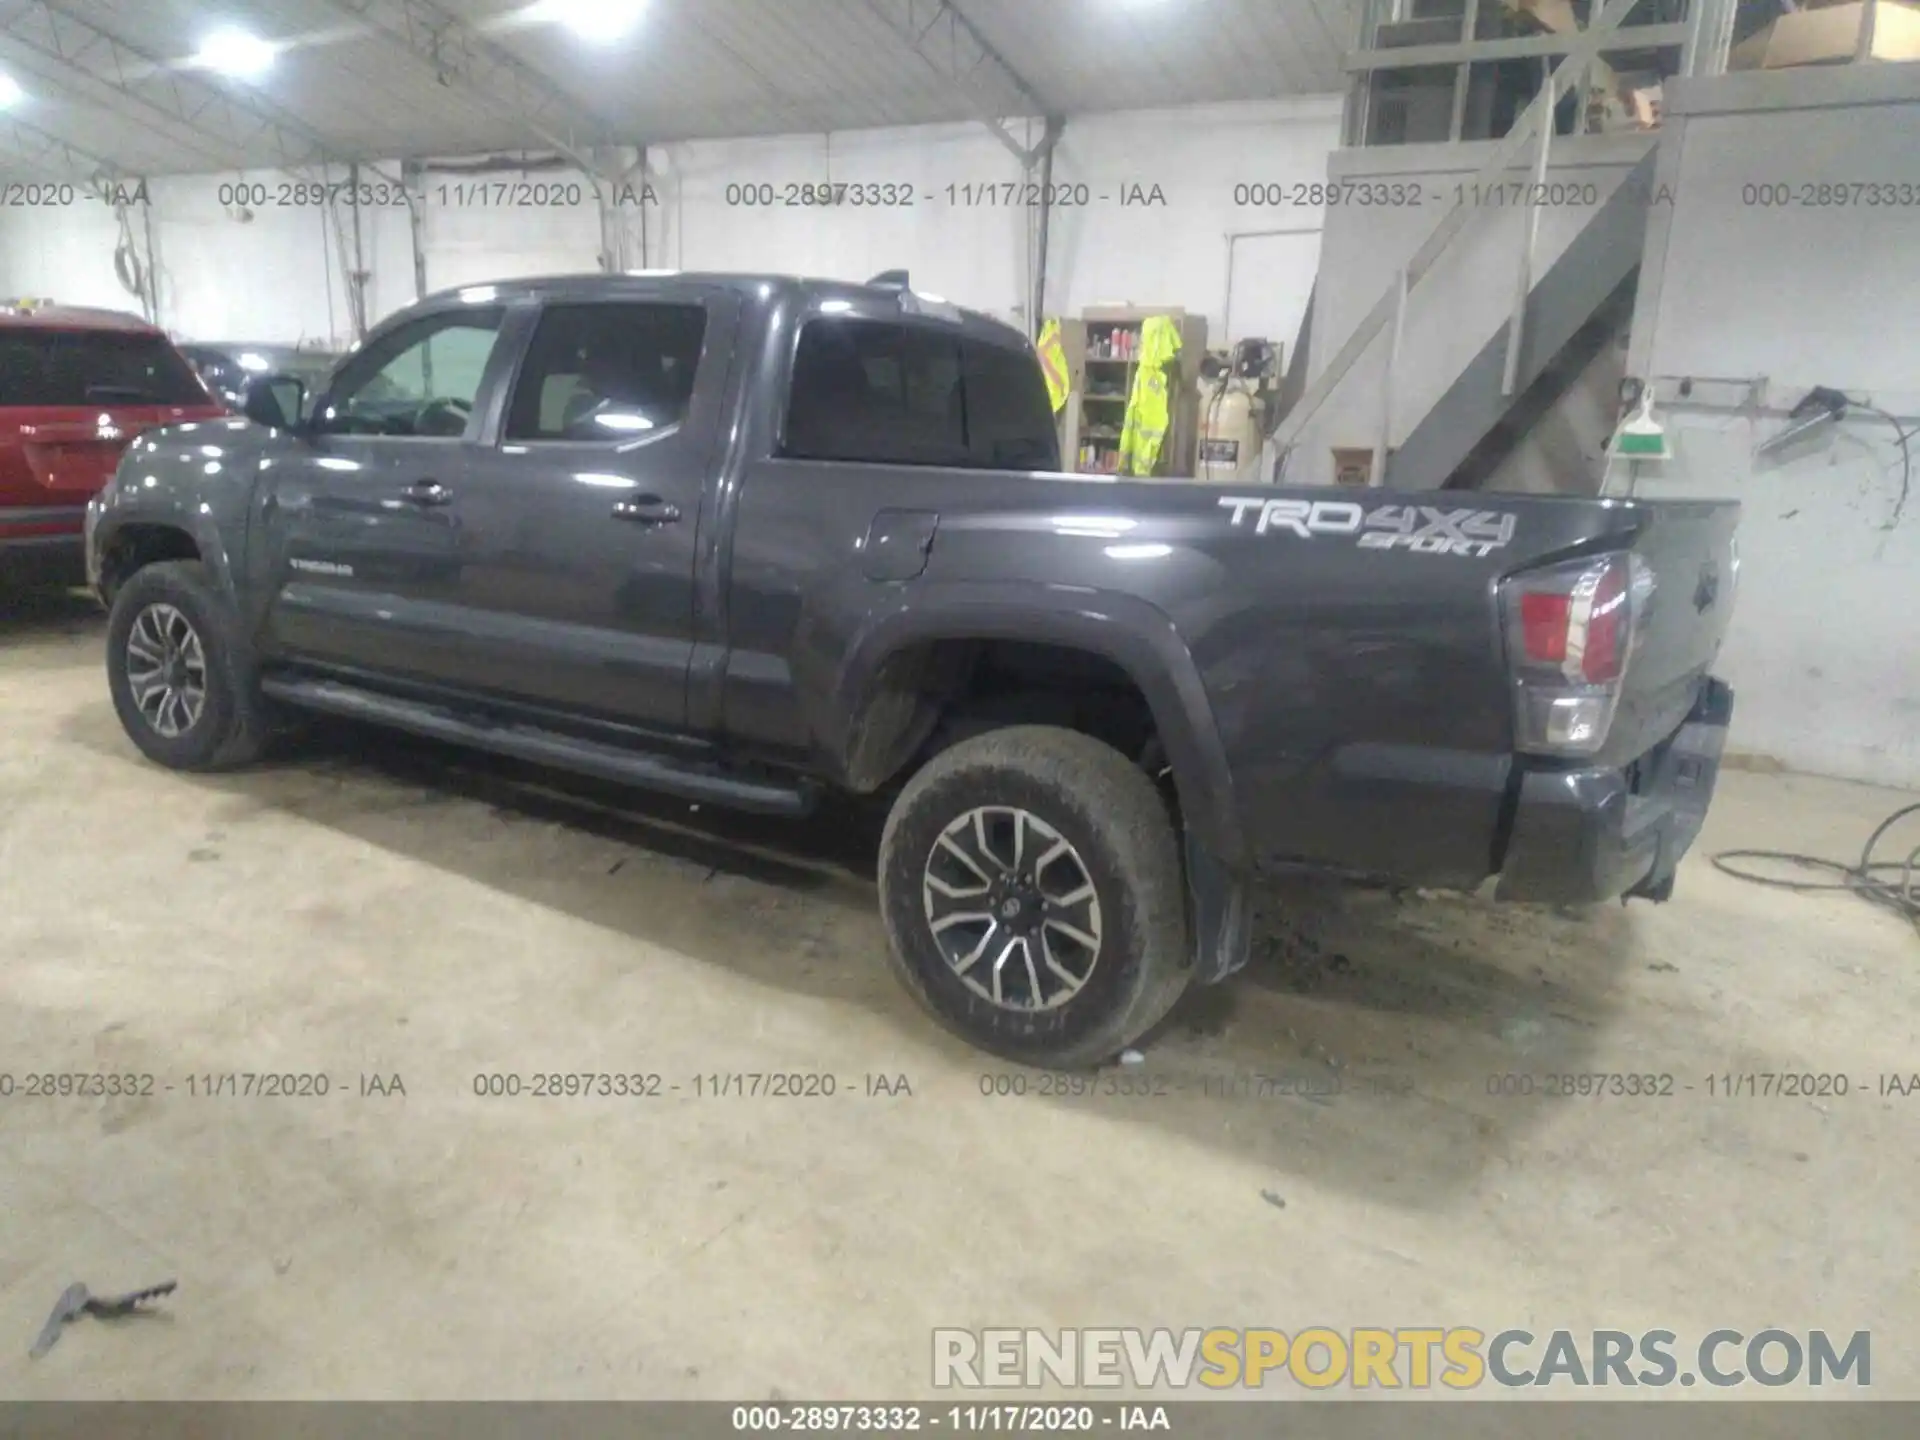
(598, 20)
(235, 52)
(10, 92)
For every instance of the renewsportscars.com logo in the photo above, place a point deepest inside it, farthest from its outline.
(1455, 1358)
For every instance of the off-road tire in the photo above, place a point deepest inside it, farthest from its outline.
(1109, 810)
(234, 726)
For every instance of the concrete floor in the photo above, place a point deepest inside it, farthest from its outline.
(383, 908)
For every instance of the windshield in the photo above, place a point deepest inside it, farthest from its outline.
(80, 368)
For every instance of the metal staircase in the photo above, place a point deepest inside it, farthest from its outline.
(1555, 315)
(1603, 259)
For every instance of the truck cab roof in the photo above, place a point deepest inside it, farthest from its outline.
(808, 292)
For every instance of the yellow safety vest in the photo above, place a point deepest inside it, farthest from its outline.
(1053, 360)
(1145, 429)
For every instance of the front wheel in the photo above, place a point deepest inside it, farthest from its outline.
(1031, 886)
(176, 668)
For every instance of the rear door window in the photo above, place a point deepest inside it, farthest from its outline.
(94, 368)
(868, 391)
(881, 393)
(611, 371)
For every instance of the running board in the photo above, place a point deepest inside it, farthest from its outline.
(543, 747)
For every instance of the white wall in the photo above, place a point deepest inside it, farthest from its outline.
(1825, 649)
(1178, 253)
(1824, 654)
(226, 272)
(267, 279)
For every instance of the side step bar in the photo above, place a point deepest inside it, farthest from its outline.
(543, 747)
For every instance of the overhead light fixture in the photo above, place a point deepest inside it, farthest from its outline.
(10, 92)
(234, 52)
(601, 21)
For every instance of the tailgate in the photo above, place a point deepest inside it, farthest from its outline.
(1686, 549)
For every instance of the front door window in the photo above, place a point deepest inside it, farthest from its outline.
(419, 382)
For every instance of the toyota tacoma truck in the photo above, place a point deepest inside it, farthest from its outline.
(746, 539)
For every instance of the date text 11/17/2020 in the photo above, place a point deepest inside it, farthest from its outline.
(1239, 1085)
(1723, 1085)
(708, 1085)
(209, 1085)
(969, 195)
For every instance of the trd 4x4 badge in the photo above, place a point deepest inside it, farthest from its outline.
(1424, 529)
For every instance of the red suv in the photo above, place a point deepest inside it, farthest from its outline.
(75, 387)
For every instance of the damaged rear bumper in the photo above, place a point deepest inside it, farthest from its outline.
(1581, 836)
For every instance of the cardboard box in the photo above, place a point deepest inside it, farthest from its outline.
(1830, 35)
(1352, 465)
(1555, 15)
(1632, 102)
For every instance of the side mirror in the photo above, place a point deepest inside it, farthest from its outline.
(278, 401)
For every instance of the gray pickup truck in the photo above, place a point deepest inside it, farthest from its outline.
(744, 538)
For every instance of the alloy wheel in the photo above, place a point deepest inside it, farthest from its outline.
(1013, 908)
(166, 670)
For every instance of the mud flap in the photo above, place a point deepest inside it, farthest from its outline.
(1221, 906)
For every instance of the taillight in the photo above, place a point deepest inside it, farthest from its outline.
(1603, 648)
(1543, 627)
(1570, 631)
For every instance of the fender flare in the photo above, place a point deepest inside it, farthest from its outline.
(1131, 633)
(197, 527)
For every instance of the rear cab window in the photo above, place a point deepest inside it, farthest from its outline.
(52, 368)
(887, 393)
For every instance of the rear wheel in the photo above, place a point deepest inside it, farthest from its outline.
(1031, 886)
(177, 669)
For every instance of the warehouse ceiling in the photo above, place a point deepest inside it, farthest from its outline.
(143, 87)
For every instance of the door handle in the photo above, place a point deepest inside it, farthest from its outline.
(647, 510)
(427, 492)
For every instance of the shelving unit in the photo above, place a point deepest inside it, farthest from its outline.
(1103, 348)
